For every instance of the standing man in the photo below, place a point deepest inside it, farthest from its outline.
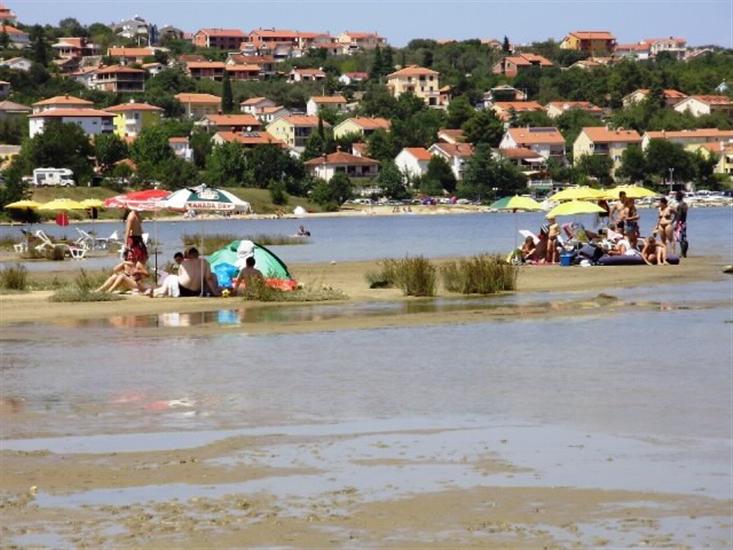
(680, 223)
(135, 249)
(616, 211)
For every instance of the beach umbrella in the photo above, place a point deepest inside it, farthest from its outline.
(206, 199)
(517, 202)
(23, 205)
(632, 192)
(92, 203)
(62, 205)
(583, 193)
(149, 200)
(574, 207)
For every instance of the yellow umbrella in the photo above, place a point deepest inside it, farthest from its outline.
(574, 207)
(516, 203)
(62, 204)
(632, 192)
(583, 193)
(92, 203)
(22, 205)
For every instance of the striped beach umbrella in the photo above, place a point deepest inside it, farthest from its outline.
(206, 199)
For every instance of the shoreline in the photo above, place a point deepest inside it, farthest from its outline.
(349, 277)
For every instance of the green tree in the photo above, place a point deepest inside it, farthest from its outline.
(661, 155)
(200, 142)
(70, 26)
(176, 173)
(390, 179)
(151, 148)
(484, 127)
(14, 188)
(61, 146)
(341, 188)
(460, 111)
(506, 47)
(596, 166)
(381, 146)
(387, 61)
(315, 146)
(485, 177)
(4, 39)
(439, 176)
(108, 149)
(39, 45)
(226, 165)
(266, 163)
(633, 164)
(532, 119)
(227, 100)
(277, 192)
(375, 73)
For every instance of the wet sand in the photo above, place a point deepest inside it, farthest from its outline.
(349, 277)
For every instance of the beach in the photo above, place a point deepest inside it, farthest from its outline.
(588, 408)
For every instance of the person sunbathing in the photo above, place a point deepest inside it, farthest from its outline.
(126, 276)
(169, 283)
(654, 252)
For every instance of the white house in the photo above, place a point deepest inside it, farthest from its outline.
(413, 161)
(326, 166)
(347, 79)
(316, 103)
(92, 121)
(181, 148)
(255, 105)
(17, 64)
(456, 154)
(306, 75)
(699, 105)
(61, 102)
(271, 114)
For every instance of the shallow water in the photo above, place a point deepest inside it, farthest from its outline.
(374, 237)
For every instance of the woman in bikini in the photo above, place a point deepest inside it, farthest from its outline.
(654, 253)
(665, 223)
(126, 276)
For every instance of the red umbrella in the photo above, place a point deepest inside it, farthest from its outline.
(148, 200)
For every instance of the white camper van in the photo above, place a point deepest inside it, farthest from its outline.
(62, 177)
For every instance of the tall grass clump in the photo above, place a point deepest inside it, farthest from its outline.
(207, 243)
(415, 276)
(257, 290)
(14, 278)
(83, 290)
(479, 275)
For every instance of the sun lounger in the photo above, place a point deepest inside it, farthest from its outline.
(90, 242)
(75, 252)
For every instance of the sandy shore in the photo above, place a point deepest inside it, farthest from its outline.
(350, 278)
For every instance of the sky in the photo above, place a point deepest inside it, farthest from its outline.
(699, 21)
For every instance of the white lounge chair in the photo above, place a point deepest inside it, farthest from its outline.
(75, 252)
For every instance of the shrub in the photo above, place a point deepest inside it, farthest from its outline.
(479, 275)
(14, 278)
(414, 276)
(82, 290)
(257, 290)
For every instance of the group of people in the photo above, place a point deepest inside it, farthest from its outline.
(193, 276)
(618, 236)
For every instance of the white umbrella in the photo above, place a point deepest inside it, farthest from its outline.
(206, 199)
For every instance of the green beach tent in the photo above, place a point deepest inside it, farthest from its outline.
(236, 252)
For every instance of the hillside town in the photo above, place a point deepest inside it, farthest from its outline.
(337, 116)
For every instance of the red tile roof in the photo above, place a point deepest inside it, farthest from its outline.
(601, 134)
(60, 113)
(420, 153)
(581, 105)
(63, 100)
(250, 138)
(536, 136)
(519, 153)
(337, 99)
(130, 52)
(197, 98)
(205, 65)
(713, 99)
(116, 69)
(125, 107)
(223, 32)
(304, 120)
(413, 70)
(305, 71)
(9, 29)
(341, 158)
(455, 149)
(178, 139)
(453, 134)
(528, 59)
(593, 35)
(701, 133)
(233, 120)
(254, 100)
(374, 123)
(247, 68)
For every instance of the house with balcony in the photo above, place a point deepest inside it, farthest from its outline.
(671, 97)
(317, 102)
(199, 105)
(351, 42)
(530, 163)
(547, 142)
(69, 47)
(689, 139)
(723, 151)
(128, 56)
(673, 45)
(556, 108)
(512, 65)
(590, 42)
(604, 141)
(364, 126)
(6, 14)
(255, 105)
(119, 79)
(131, 118)
(266, 63)
(456, 154)
(636, 51)
(213, 70)
(318, 41)
(18, 38)
(221, 39)
(91, 121)
(699, 105)
(423, 83)
(355, 77)
(327, 166)
(294, 130)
